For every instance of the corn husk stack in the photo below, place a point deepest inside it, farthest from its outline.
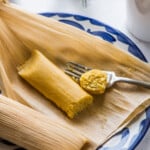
(41, 132)
(22, 32)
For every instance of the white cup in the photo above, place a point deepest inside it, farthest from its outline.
(138, 18)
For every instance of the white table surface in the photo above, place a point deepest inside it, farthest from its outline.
(111, 12)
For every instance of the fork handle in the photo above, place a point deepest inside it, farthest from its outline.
(84, 3)
(132, 81)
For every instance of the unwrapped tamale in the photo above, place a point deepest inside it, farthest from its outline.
(54, 84)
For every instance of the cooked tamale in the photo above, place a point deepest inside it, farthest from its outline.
(54, 84)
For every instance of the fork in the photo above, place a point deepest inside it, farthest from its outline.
(84, 3)
(75, 70)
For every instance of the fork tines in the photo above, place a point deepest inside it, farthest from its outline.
(75, 70)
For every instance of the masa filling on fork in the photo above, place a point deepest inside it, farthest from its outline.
(94, 81)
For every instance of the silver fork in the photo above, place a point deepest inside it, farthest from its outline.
(84, 3)
(75, 70)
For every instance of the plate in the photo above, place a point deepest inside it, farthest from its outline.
(130, 136)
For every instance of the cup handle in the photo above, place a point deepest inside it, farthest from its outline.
(143, 6)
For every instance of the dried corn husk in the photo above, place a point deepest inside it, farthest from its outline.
(35, 131)
(62, 43)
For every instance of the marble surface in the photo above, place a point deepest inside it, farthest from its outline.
(110, 12)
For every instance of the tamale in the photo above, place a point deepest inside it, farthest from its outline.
(61, 43)
(54, 84)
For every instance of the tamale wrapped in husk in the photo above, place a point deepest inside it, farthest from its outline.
(22, 32)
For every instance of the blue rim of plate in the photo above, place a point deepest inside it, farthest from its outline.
(133, 49)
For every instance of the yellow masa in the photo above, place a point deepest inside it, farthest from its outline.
(54, 84)
(94, 81)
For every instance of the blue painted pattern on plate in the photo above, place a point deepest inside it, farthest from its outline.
(104, 35)
(129, 137)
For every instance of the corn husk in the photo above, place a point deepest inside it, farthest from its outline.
(61, 43)
(20, 123)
